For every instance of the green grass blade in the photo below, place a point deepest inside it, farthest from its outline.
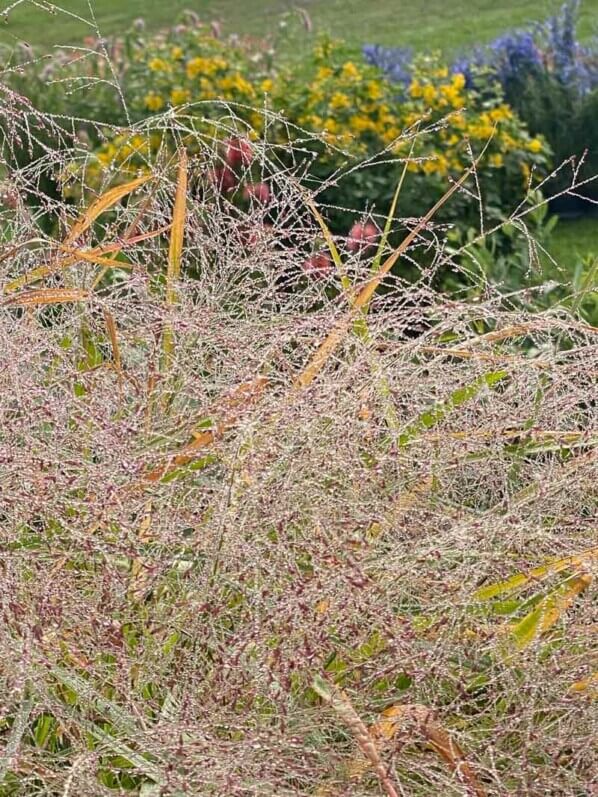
(434, 415)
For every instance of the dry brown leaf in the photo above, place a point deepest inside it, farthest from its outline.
(398, 717)
(340, 702)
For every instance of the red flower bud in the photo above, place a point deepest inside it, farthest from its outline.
(223, 179)
(362, 237)
(238, 152)
(318, 265)
(258, 191)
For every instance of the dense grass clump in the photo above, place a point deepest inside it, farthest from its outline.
(270, 529)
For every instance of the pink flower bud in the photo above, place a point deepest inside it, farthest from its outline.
(362, 237)
(258, 191)
(223, 178)
(318, 265)
(238, 152)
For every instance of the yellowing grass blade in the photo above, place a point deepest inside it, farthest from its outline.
(334, 253)
(101, 204)
(38, 273)
(175, 253)
(46, 297)
(435, 414)
(92, 256)
(587, 686)
(177, 233)
(74, 255)
(111, 329)
(245, 395)
(391, 214)
(522, 580)
(548, 612)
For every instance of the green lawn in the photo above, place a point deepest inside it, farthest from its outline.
(446, 24)
(573, 239)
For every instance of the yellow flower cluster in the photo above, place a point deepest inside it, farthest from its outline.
(195, 67)
(344, 103)
(439, 91)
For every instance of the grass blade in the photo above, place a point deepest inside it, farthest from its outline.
(342, 705)
(177, 233)
(334, 253)
(391, 213)
(101, 204)
(74, 255)
(46, 296)
(334, 338)
(522, 580)
(433, 416)
(438, 738)
(175, 252)
(548, 612)
(112, 335)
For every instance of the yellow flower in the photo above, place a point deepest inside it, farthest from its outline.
(458, 81)
(374, 90)
(535, 145)
(496, 160)
(413, 118)
(106, 156)
(439, 165)
(339, 101)
(508, 142)
(415, 89)
(451, 95)
(501, 114)
(176, 53)
(429, 94)
(350, 71)
(179, 96)
(323, 73)
(205, 66)
(206, 89)
(482, 129)
(139, 142)
(361, 124)
(153, 101)
(316, 94)
(159, 65)
(195, 67)
(458, 121)
(237, 82)
(331, 125)
(267, 85)
(257, 123)
(345, 138)
(390, 134)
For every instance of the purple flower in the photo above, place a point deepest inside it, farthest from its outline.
(395, 62)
